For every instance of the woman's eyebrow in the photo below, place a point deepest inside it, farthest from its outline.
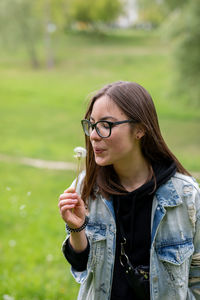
(104, 118)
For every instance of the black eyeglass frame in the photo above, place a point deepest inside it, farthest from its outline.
(110, 124)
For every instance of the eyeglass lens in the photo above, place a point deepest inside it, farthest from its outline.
(102, 128)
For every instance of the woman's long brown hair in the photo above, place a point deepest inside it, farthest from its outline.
(138, 105)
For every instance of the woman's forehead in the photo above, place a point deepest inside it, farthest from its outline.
(104, 105)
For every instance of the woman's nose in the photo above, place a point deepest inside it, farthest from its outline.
(94, 135)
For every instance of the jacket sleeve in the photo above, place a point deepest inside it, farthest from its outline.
(194, 275)
(79, 269)
(78, 260)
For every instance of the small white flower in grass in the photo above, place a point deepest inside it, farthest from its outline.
(8, 297)
(22, 209)
(80, 153)
(28, 194)
(49, 257)
(14, 199)
(22, 206)
(12, 243)
(8, 188)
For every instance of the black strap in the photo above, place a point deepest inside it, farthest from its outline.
(123, 256)
(137, 277)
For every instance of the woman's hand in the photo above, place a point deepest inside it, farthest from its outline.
(72, 208)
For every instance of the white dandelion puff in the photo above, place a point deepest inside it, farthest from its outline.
(80, 152)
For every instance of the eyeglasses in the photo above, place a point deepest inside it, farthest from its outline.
(103, 128)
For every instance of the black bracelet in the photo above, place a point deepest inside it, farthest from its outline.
(80, 228)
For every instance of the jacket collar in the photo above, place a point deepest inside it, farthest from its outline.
(167, 195)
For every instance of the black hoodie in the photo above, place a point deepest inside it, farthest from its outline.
(133, 211)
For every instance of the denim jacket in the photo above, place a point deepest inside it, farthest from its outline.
(175, 244)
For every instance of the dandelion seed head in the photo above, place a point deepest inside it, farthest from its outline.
(80, 152)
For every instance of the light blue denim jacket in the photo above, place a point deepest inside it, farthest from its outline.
(175, 244)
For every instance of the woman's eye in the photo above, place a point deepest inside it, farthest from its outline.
(105, 125)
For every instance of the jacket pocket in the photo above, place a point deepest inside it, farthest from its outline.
(96, 232)
(175, 260)
(175, 253)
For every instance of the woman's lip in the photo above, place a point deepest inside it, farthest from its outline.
(98, 150)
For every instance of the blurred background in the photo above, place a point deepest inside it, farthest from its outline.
(53, 54)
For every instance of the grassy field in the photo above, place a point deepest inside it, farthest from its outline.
(31, 264)
(40, 115)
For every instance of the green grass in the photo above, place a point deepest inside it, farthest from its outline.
(182, 138)
(40, 112)
(32, 265)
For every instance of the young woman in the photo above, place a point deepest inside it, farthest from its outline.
(134, 219)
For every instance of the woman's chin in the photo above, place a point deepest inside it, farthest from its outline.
(101, 162)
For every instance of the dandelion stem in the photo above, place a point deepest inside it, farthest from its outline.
(77, 171)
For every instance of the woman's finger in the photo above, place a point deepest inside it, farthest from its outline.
(67, 202)
(67, 196)
(66, 207)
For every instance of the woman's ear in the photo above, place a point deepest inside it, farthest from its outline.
(139, 132)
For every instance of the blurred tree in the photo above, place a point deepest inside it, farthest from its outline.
(53, 15)
(27, 22)
(182, 20)
(151, 12)
(18, 25)
(156, 11)
(174, 4)
(187, 50)
(93, 12)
